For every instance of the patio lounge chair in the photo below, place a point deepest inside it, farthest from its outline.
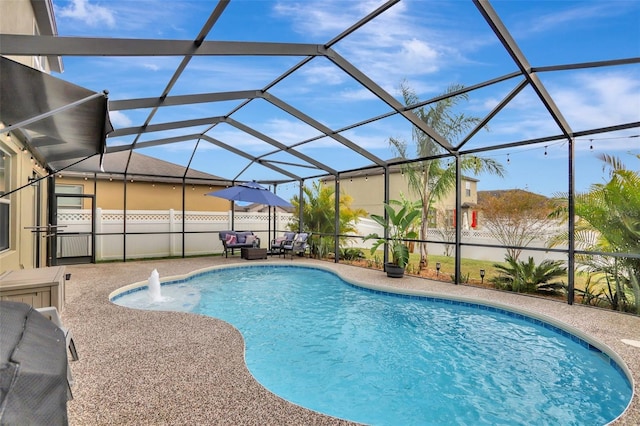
(299, 244)
(278, 243)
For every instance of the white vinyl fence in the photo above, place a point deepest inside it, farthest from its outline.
(471, 236)
(149, 232)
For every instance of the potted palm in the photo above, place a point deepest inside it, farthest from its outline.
(399, 228)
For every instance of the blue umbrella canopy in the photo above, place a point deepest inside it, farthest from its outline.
(251, 192)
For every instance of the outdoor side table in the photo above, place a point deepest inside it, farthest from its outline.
(249, 253)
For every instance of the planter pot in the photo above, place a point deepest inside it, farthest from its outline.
(393, 271)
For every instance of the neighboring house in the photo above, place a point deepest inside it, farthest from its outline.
(366, 188)
(140, 190)
(23, 210)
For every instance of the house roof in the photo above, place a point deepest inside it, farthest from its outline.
(483, 195)
(393, 169)
(142, 167)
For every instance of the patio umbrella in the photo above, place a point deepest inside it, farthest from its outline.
(254, 193)
(251, 192)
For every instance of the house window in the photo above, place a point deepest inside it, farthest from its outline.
(450, 219)
(69, 202)
(467, 189)
(432, 219)
(5, 202)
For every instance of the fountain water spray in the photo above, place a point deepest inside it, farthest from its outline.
(154, 286)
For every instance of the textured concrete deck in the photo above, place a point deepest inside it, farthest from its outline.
(154, 368)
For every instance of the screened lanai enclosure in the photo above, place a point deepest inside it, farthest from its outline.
(513, 127)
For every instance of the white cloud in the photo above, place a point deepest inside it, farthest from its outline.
(600, 100)
(119, 120)
(570, 17)
(91, 14)
(288, 131)
(152, 67)
(323, 74)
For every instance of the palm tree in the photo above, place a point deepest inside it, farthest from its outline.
(318, 213)
(608, 220)
(431, 179)
(527, 277)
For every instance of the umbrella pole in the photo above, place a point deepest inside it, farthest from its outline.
(233, 215)
(269, 230)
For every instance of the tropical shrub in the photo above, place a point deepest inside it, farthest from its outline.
(399, 228)
(608, 221)
(318, 216)
(527, 277)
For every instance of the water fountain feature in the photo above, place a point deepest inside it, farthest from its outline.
(155, 294)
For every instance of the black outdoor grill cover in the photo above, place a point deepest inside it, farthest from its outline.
(33, 368)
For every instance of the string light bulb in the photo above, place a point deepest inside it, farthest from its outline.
(508, 159)
(591, 144)
(545, 150)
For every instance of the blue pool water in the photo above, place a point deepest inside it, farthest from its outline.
(383, 359)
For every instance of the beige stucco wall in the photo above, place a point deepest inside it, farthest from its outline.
(21, 253)
(368, 192)
(17, 17)
(143, 195)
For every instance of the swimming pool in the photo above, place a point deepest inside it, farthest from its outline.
(376, 358)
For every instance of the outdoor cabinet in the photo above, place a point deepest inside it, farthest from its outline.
(40, 287)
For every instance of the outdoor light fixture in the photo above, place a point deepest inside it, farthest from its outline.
(482, 276)
(438, 268)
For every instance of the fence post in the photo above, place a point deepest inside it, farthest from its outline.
(172, 239)
(99, 238)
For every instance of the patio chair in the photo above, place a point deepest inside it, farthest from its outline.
(277, 243)
(51, 312)
(299, 244)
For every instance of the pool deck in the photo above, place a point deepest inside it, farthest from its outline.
(170, 368)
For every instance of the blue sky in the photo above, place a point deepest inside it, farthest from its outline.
(430, 44)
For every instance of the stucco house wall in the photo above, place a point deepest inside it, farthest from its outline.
(24, 17)
(367, 191)
(145, 195)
